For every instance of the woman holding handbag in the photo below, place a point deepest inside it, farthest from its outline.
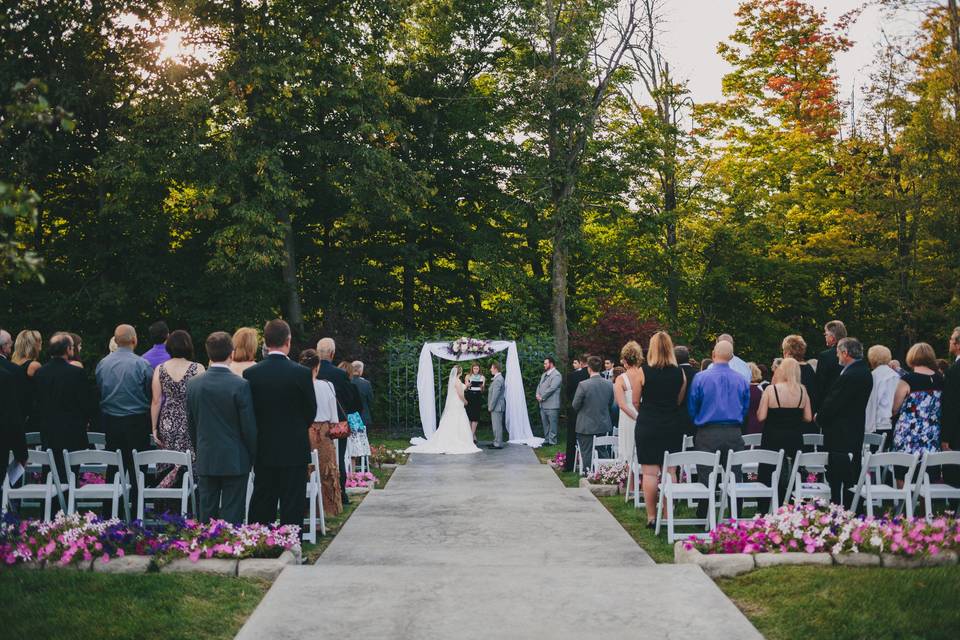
(325, 427)
(358, 446)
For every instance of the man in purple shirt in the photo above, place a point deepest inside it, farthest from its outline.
(718, 402)
(157, 354)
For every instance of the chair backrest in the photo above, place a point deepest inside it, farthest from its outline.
(705, 458)
(687, 443)
(92, 456)
(33, 439)
(813, 439)
(752, 440)
(97, 439)
(890, 459)
(40, 457)
(874, 441)
(940, 458)
(816, 459)
(160, 456)
(605, 441)
(749, 456)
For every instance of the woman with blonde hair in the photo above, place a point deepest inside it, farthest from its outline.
(626, 393)
(917, 404)
(785, 409)
(659, 428)
(795, 347)
(885, 381)
(244, 350)
(26, 351)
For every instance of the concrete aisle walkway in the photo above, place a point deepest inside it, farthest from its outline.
(490, 545)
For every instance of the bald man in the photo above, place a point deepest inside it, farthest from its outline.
(124, 380)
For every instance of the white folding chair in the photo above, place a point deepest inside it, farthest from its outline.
(798, 489)
(315, 497)
(578, 460)
(44, 490)
(930, 490)
(872, 490)
(633, 488)
(115, 492)
(185, 492)
(34, 441)
(752, 440)
(603, 441)
(814, 440)
(688, 472)
(671, 491)
(733, 490)
(246, 512)
(97, 440)
(873, 442)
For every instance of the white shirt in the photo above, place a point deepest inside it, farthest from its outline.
(326, 401)
(880, 404)
(741, 367)
(222, 365)
(279, 353)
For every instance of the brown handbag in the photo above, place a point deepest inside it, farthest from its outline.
(340, 430)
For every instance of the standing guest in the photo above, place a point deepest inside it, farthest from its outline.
(917, 405)
(794, 346)
(169, 418)
(13, 381)
(21, 384)
(326, 417)
(754, 425)
(885, 381)
(365, 389)
(26, 351)
(841, 418)
(784, 412)
(327, 349)
(607, 372)
(659, 428)
(63, 402)
(736, 363)
(358, 445)
(718, 405)
(244, 350)
(285, 405)
(689, 372)
(157, 354)
(573, 381)
(124, 380)
(592, 403)
(77, 348)
(626, 390)
(496, 405)
(705, 364)
(828, 366)
(766, 375)
(548, 395)
(223, 429)
(576, 365)
(950, 410)
(475, 383)
(943, 365)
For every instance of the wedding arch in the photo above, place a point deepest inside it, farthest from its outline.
(517, 419)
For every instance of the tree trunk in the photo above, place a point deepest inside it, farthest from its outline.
(558, 302)
(408, 284)
(291, 282)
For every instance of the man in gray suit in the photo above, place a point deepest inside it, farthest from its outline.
(548, 395)
(365, 389)
(224, 433)
(497, 405)
(592, 403)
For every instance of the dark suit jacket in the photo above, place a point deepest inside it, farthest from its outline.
(222, 426)
(64, 403)
(23, 386)
(574, 379)
(842, 412)
(285, 405)
(689, 373)
(365, 389)
(11, 417)
(950, 408)
(828, 370)
(347, 397)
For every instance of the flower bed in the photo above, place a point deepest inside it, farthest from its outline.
(76, 539)
(617, 473)
(380, 455)
(361, 479)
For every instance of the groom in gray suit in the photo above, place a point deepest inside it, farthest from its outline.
(497, 405)
(223, 430)
(592, 403)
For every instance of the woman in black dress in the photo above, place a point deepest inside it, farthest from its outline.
(476, 382)
(785, 412)
(659, 427)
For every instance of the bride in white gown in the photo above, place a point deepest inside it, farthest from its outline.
(454, 434)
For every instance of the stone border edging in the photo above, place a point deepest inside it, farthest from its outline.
(725, 565)
(265, 568)
(600, 490)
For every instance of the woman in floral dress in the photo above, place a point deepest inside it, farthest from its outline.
(916, 404)
(169, 407)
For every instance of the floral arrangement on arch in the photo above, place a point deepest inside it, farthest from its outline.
(824, 527)
(471, 346)
(617, 473)
(69, 539)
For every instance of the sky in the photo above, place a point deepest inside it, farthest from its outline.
(694, 27)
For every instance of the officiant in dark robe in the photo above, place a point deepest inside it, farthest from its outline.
(574, 378)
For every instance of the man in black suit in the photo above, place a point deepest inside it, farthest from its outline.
(828, 367)
(64, 402)
(13, 382)
(348, 399)
(950, 409)
(841, 418)
(284, 405)
(223, 430)
(573, 381)
(682, 354)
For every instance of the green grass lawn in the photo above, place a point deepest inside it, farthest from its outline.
(75, 605)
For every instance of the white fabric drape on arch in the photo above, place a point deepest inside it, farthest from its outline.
(517, 419)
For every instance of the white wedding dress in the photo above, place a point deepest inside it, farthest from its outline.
(453, 435)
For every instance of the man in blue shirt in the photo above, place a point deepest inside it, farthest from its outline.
(124, 380)
(718, 403)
